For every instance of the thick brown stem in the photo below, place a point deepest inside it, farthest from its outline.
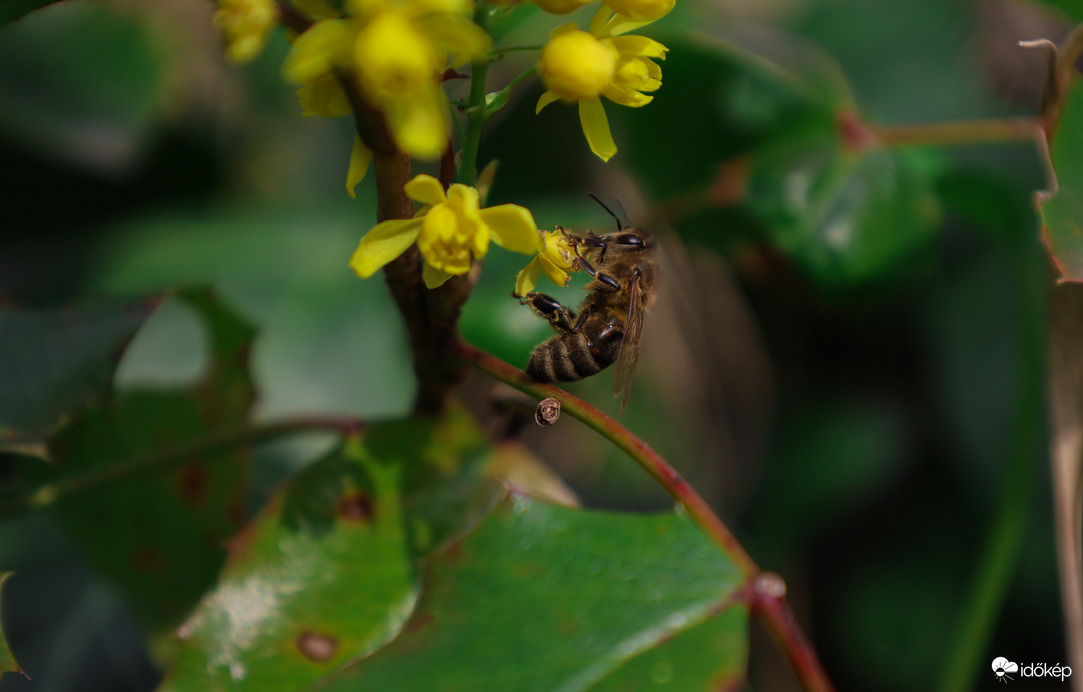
(431, 316)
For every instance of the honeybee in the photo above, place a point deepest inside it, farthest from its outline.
(609, 324)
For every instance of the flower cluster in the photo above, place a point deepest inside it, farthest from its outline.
(389, 57)
(581, 67)
(395, 52)
(246, 24)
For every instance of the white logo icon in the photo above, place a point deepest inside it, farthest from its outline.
(1002, 666)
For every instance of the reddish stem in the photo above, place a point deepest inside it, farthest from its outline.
(636, 448)
(764, 592)
(767, 599)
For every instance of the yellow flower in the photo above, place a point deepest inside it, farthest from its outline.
(577, 66)
(451, 231)
(556, 257)
(581, 67)
(395, 51)
(641, 9)
(246, 24)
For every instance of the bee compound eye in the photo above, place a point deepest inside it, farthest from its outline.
(630, 239)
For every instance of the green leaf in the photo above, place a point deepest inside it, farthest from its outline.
(55, 361)
(7, 659)
(14, 9)
(847, 216)
(542, 597)
(327, 570)
(80, 81)
(160, 537)
(709, 656)
(322, 576)
(1062, 214)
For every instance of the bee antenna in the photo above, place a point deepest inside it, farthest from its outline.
(620, 226)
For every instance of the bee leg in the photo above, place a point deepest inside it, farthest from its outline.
(560, 317)
(608, 281)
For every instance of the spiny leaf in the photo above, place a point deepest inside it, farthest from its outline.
(159, 536)
(542, 597)
(1062, 214)
(7, 659)
(322, 576)
(55, 361)
(326, 573)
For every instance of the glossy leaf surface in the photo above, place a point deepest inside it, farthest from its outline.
(542, 597)
(324, 574)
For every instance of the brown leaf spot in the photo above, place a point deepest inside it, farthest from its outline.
(355, 506)
(316, 647)
(193, 484)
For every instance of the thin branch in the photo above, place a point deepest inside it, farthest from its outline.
(764, 592)
(50, 494)
(640, 451)
(291, 18)
(768, 600)
(955, 133)
(476, 113)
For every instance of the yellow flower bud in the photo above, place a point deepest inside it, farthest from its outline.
(577, 66)
(641, 9)
(246, 25)
(560, 6)
(394, 58)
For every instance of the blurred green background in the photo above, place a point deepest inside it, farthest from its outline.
(846, 358)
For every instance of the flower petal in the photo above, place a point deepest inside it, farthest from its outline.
(434, 278)
(464, 39)
(425, 189)
(325, 97)
(512, 227)
(596, 128)
(627, 97)
(383, 243)
(546, 98)
(419, 124)
(557, 275)
(620, 24)
(641, 46)
(600, 19)
(360, 158)
(319, 50)
(527, 279)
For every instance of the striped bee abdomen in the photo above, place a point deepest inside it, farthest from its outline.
(571, 356)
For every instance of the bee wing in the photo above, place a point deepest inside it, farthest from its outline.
(628, 356)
